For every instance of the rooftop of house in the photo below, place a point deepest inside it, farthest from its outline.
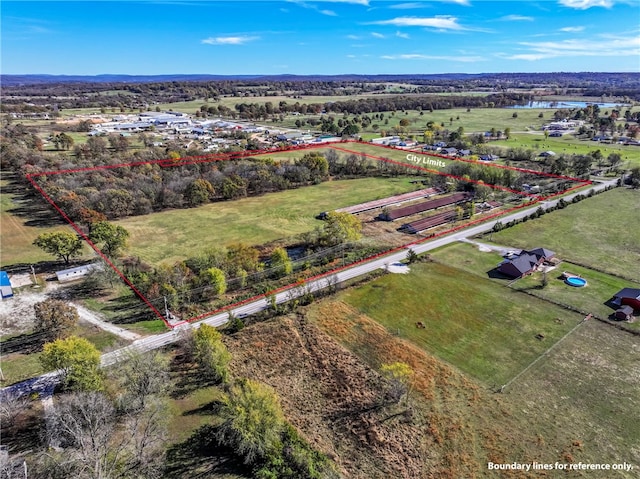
(542, 253)
(628, 293)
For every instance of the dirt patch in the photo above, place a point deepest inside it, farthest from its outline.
(334, 399)
(17, 315)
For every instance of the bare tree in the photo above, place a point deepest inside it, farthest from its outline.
(55, 319)
(93, 441)
(11, 406)
(83, 425)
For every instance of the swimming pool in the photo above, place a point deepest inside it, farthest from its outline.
(575, 281)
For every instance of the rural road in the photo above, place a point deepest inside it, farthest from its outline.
(91, 317)
(160, 340)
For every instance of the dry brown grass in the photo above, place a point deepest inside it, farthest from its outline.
(467, 424)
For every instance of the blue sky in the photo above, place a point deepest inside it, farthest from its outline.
(319, 37)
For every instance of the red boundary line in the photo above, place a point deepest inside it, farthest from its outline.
(93, 246)
(168, 163)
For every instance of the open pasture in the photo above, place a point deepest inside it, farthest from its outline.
(172, 235)
(18, 231)
(602, 232)
(569, 145)
(473, 323)
(586, 392)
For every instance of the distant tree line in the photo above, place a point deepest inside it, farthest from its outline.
(26, 94)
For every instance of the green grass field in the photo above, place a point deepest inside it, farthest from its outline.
(585, 394)
(602, 232)
(569, 145)
(172, 235)
(17, 236)
(600, 288)
(590, 299)
(482, 328)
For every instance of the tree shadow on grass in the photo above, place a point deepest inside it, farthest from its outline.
(201, 456)
(26, 343)
(189, 377)
(32, 206)
(25, 434)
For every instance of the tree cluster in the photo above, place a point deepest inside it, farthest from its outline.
(127, 191)
(120, 435)
(254, 425)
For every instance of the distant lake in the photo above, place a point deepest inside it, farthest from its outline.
(566, 104)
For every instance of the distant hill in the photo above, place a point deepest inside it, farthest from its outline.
(560, 77)
(16, 80)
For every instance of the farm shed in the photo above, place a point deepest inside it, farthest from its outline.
(425, 206)
(6, 291)
(381, 203)
(78, 272)
(627, 296)
(624, 314)
(429, 222)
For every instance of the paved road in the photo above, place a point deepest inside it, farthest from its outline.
(160, 340)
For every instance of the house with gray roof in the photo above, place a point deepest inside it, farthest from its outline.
(525, 263)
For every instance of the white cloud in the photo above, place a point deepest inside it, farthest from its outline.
(377, 35)
(356, 2)
(609, 46)
(407, 6)
(584, 4)
(239, 40)
(572, 29)
(448, 58)
(331, 13)
(402, 35)
(353, 37)
(411, 5)
(516, 18)
(445, 22)
(530, 57)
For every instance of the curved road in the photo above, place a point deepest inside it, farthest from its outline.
(43, 383)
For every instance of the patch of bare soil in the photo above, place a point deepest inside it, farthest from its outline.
(336, 401)
(17, 314)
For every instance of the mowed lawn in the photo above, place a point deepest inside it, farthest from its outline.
(590, 299)
(601, 232)
(479, 326)
(600, 288)
(173, 235)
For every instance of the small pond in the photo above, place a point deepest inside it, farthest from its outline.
(565, 104)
